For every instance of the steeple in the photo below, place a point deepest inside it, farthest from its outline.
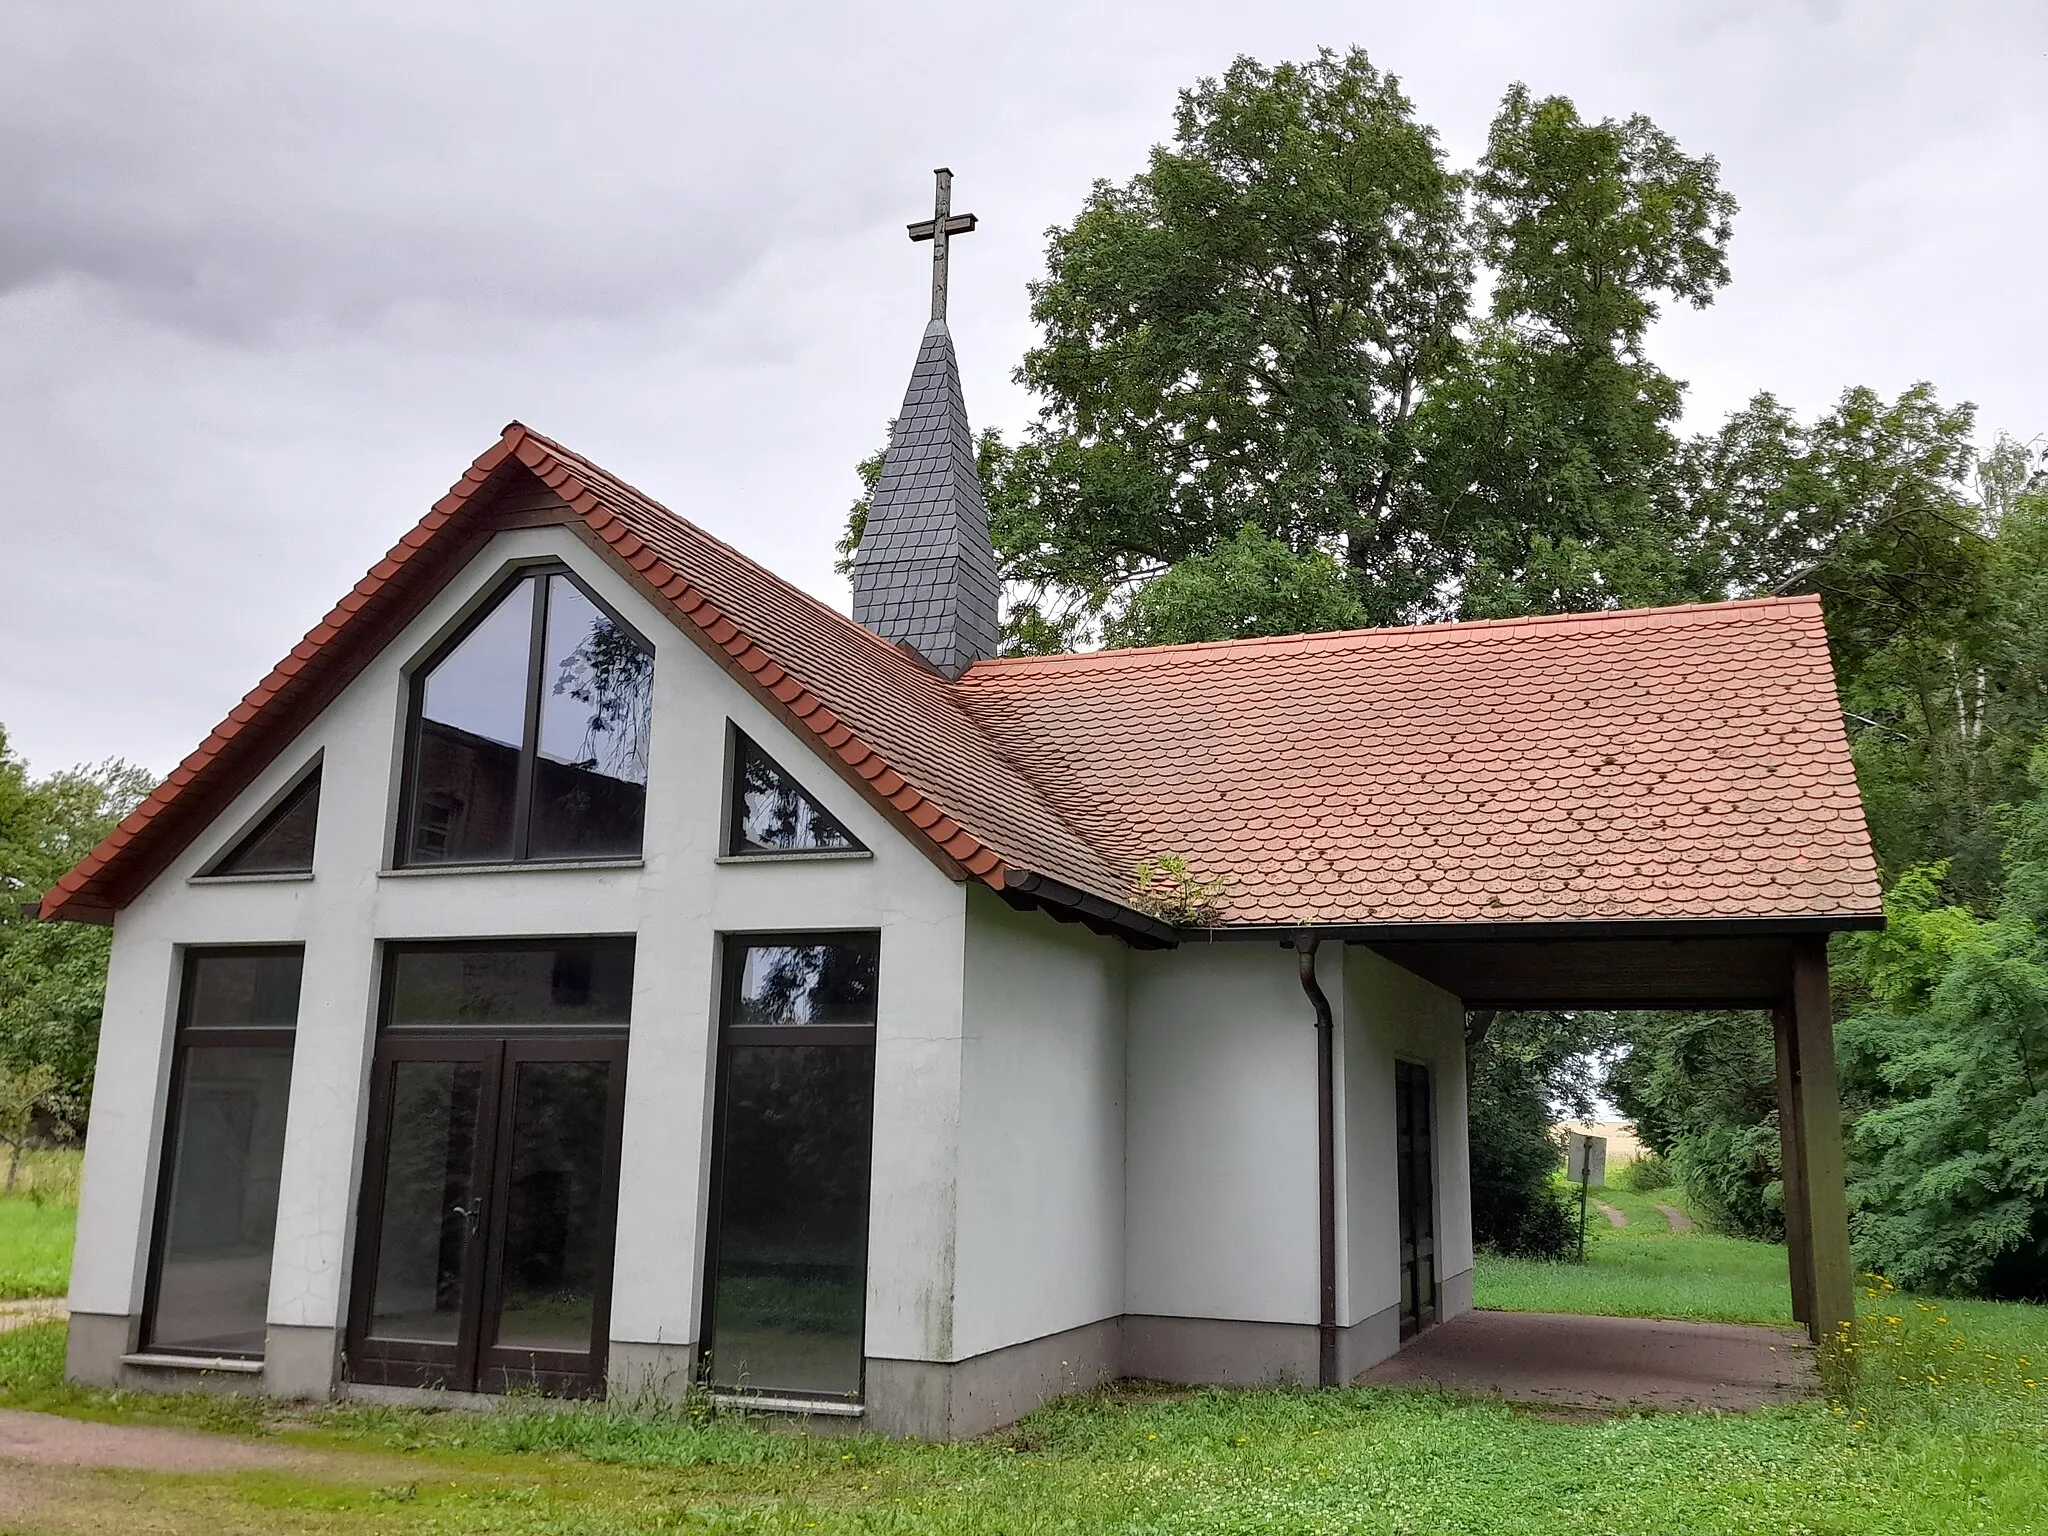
(925, 573)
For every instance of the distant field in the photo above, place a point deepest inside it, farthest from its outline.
(35, 1225)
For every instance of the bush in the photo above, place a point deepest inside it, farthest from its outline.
(1646, 1175)
(1517, 1207)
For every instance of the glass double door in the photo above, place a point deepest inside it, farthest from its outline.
(484, 1251)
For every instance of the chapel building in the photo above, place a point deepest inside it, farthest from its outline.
(589, 963)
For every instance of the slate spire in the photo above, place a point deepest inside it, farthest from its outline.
(925, 573)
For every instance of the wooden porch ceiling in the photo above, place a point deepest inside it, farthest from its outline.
(1735, 971)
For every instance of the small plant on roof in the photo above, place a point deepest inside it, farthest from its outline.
(1164, 886)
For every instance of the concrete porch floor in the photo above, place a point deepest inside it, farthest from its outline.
(1607, 1362)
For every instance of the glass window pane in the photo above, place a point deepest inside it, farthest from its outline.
(471, 731)
(790, 1288)
(596, 705)
(554, 1206)
(282, 843)
(773, 814)
(822, 983)
(438, 986)
(430, 1208)
(249, 989)
(226, 1150)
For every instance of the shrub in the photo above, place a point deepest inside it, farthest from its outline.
(1646, 1175)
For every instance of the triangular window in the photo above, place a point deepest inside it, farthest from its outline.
(772, 813)
(282, 842)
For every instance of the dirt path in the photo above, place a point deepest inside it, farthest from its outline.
(1680, 1222)
(1607, 1363)
(19, 1314)
(1615, 1218)
(44, 1439)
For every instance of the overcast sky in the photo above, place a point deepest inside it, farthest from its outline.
(270, 276)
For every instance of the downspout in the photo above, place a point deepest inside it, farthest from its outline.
(1326, 1161)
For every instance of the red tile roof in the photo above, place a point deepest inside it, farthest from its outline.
(1675, 763)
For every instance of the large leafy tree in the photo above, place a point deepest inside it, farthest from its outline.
(1241, 334)
(53, 975)
(1547, 445)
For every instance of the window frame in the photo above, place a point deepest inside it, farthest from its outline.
(731, 843)
(262, 1037)
(495, 595)
(392, 951)
(726, 1036)
(308, 776)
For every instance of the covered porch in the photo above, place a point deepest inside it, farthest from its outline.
(1779, 965)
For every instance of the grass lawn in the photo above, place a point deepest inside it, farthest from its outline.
(1947, 1431)
(1646, 1270)
(35, 1226)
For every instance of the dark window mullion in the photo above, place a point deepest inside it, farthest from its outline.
(522, 796)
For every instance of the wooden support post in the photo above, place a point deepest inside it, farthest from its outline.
(1833, 1293)
(1792, 1160)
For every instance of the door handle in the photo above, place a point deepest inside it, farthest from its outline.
(471, 1214)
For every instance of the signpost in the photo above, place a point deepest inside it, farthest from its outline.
(1585, 1165)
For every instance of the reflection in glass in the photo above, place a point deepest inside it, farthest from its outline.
(282, 842)
(553, 1206)
(588, 982)
(825, 983)
(250, 989)
(472, 727)
(597, 699)
(772, 813)
(432, 1206)
(226, 1150)
(789, 1291)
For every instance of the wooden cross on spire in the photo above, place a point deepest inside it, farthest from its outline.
(939, 228)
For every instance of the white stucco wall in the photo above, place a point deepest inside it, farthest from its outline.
(1389, 1013)
(1220, 1161)
(675, 903)
(1041, 1198)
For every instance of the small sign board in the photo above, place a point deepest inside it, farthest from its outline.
(1585, 1158)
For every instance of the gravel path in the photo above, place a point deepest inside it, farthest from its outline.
(1680, 1222)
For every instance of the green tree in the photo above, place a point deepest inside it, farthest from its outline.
(1522, 1069)
(1949, 1163)
(53, 975)
(1247, 585)
(1546, 448)
(1241, 334)
(1702, 1091)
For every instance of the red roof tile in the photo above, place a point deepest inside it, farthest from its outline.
(1674, 763)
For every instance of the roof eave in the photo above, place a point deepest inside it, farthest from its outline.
(1541, 931)
(1028, 890)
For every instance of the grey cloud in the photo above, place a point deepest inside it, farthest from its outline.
(271, 274)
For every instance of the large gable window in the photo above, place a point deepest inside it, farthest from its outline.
(528, 736)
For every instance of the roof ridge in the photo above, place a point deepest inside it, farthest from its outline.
(1334, 639)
